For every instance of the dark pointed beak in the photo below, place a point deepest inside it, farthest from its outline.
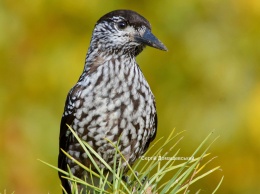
(150, 40)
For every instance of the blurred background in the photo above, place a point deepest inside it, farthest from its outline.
(208, 80)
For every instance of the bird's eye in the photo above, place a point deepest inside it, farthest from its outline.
(121, 25)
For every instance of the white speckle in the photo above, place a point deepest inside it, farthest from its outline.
(126, 95)
(68, 133)
(141, 103)
(86, 91)
(111, 107)
(135, 94)
(81, 130)
(102, 124)
(100, 142)
(112, 94)
(90, 134)
(118, 102)
(123, 124)
(82, 123)
(77, 103)
(137, 144)
(143, 89)
(119, 90)
(128, 101)
(70, 152)
(125, 133)
(140, 131)
(132, 156)
(90, 143)
(131, 75)
(145, 133)
(85, 82)
(88, 99)
(121, 75)
(91, 131)
(114, 115)
(72, 170)
(129, 109)
(78, 113)
(141, 123)
(111, 137)
(132, 131)
(76, 167)
(77, 154)
(114, 131)
(98, 137)
(127, 150)
(125, 141)
(84, 155)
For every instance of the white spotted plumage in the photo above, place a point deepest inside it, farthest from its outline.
(112, 99)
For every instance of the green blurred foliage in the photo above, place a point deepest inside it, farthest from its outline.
(209, 79)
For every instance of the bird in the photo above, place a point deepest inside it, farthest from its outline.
(111, 99)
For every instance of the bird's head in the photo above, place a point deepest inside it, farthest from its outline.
(124, 31)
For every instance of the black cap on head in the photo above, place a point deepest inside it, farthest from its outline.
(133, 18)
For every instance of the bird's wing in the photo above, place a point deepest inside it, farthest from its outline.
(153, 131)
(65, 134)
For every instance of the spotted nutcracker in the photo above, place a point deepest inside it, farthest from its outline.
(112, 98)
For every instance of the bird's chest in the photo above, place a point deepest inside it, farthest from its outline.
(112, 107)
(109, 96)
(113, 104)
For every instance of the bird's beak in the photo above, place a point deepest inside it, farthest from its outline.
(149, 39)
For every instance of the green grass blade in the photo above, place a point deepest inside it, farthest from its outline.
(215, 190)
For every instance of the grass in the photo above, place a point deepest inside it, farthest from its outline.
(153, 169)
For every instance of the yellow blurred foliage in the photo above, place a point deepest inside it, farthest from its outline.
(209, 79)
(253, 116)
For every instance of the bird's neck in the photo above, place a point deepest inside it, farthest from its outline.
(98, 57)
(112, 64)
